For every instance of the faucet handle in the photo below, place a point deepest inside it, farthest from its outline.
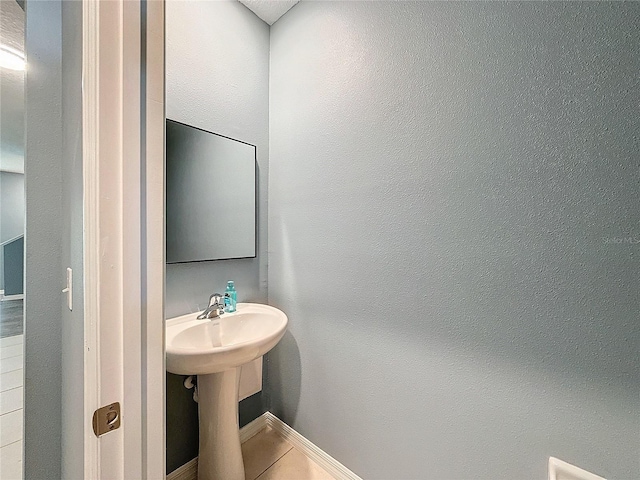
(215, 308)
(217, 299)
(214, 299)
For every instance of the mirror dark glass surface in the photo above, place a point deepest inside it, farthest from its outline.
(211, 196)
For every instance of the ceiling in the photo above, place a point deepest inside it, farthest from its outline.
(11, 91)
(269, 10)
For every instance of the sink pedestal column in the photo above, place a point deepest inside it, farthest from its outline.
(220, 456)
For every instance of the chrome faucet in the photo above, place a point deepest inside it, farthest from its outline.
(215, 308)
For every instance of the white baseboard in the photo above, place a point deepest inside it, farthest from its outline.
(189, 471)
(6, 298)
(315, 453)
(252, 428)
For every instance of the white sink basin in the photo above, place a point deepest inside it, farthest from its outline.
(210, 346)
(213, 350)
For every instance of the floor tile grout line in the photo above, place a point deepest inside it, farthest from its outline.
(12, 356)
(9, 371)
(16, 410)
(11, 411)
(17, 386)
(276, 461)
(12, 388)
(9, 444)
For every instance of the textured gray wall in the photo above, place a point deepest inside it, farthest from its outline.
(11, 211)
(217, 63)
(453, 232)
(72, 244)
(218, 80)
(43, 268)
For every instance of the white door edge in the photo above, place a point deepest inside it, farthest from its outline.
(123, 118)
(90, 147)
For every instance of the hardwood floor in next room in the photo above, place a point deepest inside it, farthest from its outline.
(11, 318)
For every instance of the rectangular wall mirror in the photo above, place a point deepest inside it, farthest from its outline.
(211, 196)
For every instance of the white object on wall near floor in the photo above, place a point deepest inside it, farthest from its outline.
(559, 470)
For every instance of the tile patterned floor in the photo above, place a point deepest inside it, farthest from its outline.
(268, 456)
(11, 410)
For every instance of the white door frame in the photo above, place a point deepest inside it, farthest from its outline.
(123, 170)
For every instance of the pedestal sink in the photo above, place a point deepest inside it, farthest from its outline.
(214, 350)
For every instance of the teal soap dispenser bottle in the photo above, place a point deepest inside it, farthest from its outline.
(230, 301)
